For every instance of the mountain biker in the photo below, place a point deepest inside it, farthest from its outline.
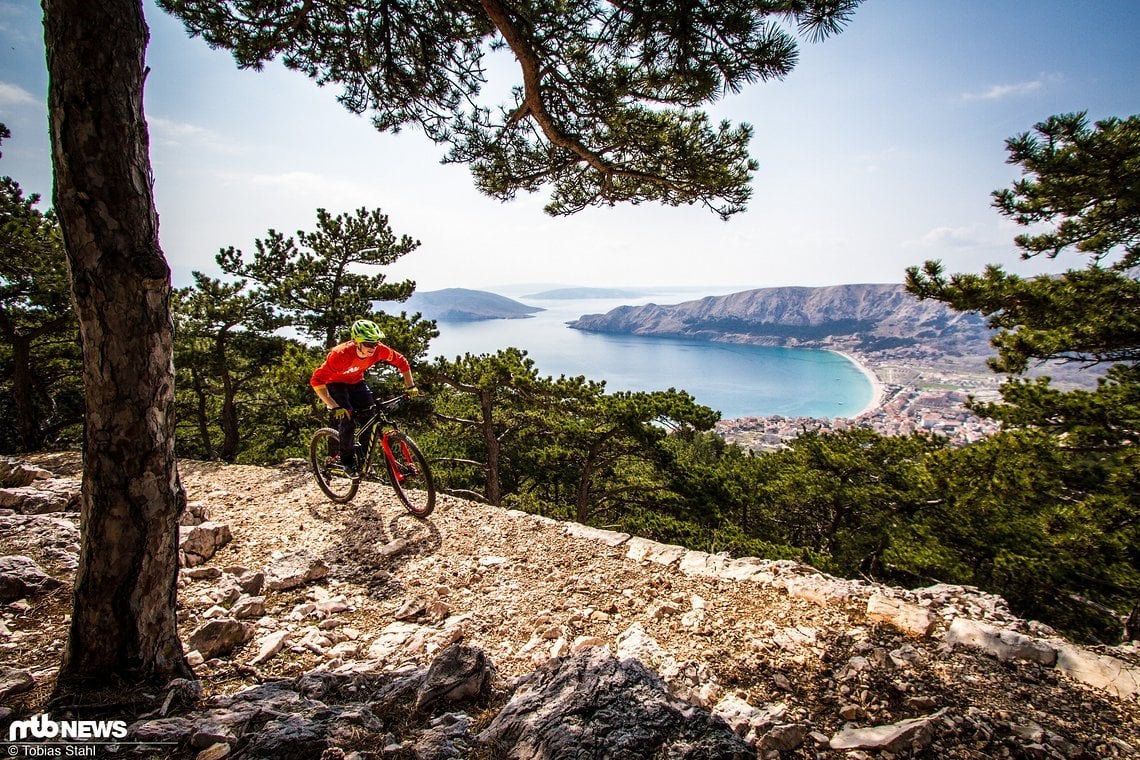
(339, 382)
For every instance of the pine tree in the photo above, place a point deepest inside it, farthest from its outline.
(223, 347)
(314, 280)
(608, 106)
(39, 339)
(124, 625)
(1083, 184)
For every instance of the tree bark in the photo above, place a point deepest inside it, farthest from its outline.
(231, 432)
(494, 485)
(202, 412)
(123, 627)
(22, 392)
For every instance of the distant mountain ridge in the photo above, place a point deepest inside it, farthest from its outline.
(462, 305)
(570, 294)
(865, 317)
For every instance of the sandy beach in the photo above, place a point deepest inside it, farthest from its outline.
(877, 389)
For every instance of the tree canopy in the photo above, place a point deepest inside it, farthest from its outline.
(606, 108)
(39, 339)
(1084, 184)
(1080, 192)
(1083, 180)
(315, 280)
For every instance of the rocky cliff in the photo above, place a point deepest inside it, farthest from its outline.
(348, 632)
(851, 317)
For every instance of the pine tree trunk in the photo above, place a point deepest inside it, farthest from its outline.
(123, 628)
(26, 426)
(494, 484)
(231, 432)
(202, 412)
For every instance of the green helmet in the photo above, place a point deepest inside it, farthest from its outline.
(366, 331)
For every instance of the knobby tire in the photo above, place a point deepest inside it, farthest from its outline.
(413, 485)
(323, 457)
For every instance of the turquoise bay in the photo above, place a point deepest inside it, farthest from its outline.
(739, 381)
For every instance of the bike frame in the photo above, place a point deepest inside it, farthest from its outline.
(387, 447)
(380, 424)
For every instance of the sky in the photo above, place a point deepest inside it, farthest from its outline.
(878, 152)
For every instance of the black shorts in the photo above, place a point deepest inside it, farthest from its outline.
(355, 397)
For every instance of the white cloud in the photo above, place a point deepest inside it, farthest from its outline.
(1015, 89)
(11, 94)
(950, 237)
(990, 235)
(175, 133)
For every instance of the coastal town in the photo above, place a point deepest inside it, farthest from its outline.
(908, 397)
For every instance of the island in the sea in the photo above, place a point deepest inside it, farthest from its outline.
(461, 305)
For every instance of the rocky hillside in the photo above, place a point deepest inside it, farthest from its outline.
(851, 317)
(358, 631)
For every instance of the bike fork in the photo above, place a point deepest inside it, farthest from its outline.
(397, 470)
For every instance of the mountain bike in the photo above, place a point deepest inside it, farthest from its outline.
(380, 445)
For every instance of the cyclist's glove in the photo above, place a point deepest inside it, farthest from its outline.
(341, 413)
(412, 392)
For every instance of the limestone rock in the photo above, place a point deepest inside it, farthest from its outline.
(688, 680)
(908, 618)
(195, 513)
(219, 636)
(747, 720)
(294, 568)
(447, 738)
(702, 563)
(459, 673)
(607, 537)
(198, 543)
(269, 645)
(248, 607)
(1003, 644)
(594, 705)
(895, 737)
(32, 500)
(1101, 671)
(14, 681)
(784, 738)
(392, 638)
(822, 590)
(644, 550)
(20, 576)
(17, 474)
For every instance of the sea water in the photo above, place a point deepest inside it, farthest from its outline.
(736, 380)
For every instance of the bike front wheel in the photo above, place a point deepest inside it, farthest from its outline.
(410, 474)
(324, 456)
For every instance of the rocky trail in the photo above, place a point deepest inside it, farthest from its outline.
(327, 631)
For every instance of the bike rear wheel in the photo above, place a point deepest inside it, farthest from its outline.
(324, 456)
(410, 474)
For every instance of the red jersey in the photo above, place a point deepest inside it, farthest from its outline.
(344, 366)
